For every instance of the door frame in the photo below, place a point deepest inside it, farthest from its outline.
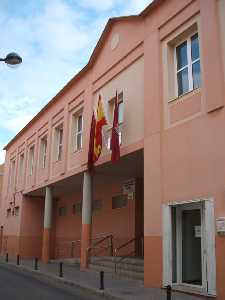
(208, 286)
(179, 209)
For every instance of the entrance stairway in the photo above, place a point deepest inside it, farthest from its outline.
(126, 267)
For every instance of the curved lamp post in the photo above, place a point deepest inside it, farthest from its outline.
(12, 59)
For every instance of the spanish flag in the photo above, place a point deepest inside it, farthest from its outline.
(95, 142)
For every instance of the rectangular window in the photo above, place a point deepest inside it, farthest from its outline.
(8, 212)
(21, 167)
(31, 160)
(119, 201)
(17, 211)
(12, 173)
(62, 211)
(120, 118)
(120, 110)
(96, 205)
(78, 132)
(59, 142)
(188, 71)
(43, 152)
(77, 208)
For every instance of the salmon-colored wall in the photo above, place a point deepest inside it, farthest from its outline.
(184, 148)
(121, 222)
(221, 15)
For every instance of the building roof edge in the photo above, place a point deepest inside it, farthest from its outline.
(89, 64)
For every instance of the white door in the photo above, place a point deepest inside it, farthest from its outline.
(189, 246)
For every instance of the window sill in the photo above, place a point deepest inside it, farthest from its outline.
(77, 151)
(184, 96)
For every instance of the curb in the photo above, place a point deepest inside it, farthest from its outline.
(44, 277)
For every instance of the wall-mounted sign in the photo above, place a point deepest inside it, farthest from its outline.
(130, 196)
(220, 226)
(198, 231)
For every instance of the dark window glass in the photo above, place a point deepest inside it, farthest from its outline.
(77, 208)
(119, 201)
(97, 205)
(62, 211)
(182, 81)
(196, 75)
(79, 123)
(182, 59)
(194, 47)
(17, 211)
(8, 212)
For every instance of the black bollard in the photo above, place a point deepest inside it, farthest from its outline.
(168, 292)
(60, 269)
(101, 280)
(18, 260)
(7, 257)
(35, 263)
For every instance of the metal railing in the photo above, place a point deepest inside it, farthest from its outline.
(67, 248)
(135, 240)
(98, 244)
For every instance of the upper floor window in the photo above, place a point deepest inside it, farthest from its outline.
(59, 142)
(120, 108)
(31, 160)
(188, 71)
(12, 173)
(21, 167)
(43, 152)
(120, 117)
(78, 131)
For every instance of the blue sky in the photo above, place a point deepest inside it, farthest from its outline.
(55, 39)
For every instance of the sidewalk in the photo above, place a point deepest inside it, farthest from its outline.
(115, 287)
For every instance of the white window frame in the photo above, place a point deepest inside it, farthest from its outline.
(78, 133)
(13, 173)
(108, 141)
(208, 248)
(59, 142)
(21, 166)
(189, 63)
(43, 151)
(31, 160)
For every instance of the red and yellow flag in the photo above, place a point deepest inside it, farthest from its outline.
(95, 143)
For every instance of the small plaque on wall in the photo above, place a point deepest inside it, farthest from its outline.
(220, 226)
(130, 196)
(198, 232)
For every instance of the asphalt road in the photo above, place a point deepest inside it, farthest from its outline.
(19, 286)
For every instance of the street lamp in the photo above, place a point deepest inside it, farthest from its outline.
(12, 59)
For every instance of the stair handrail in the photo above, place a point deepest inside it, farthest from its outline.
(116, 250)
(102, 239)
(68, 246)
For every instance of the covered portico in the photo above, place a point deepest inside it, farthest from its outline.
(81, 209)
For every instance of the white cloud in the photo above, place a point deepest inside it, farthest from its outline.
(136, 6)
(98, 5)
(17, 123)
(55, 42)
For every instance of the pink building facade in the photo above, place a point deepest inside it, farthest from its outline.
(167, 65)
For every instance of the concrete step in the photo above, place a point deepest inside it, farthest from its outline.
(128, 267)
(120, 272)
(120, 265)
(127, 260)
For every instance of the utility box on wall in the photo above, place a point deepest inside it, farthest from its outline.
(220, 226)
